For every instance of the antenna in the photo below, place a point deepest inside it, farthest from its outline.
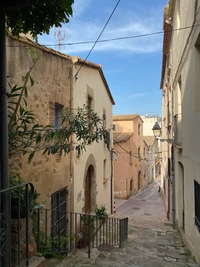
(60, 35)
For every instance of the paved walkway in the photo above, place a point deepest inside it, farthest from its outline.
(152, 240)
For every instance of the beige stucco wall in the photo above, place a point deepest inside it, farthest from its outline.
(185, 64)
(131, 171)
(90, 82)
(148, 123)
(51, 75)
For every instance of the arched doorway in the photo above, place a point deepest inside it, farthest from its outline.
(139, 180)
(88, 189)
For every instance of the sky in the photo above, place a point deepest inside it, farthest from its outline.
(132, 67)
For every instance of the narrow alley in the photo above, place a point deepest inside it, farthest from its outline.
(152, 241)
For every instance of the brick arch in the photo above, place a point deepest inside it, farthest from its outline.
(90, 166)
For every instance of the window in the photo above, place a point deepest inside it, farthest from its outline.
(58, 214)
(57, 111)
(144, 152)
(130, 158)
(139, 129)
(114, 127)
(197, 204)
(178, 113)
(89, 106)
(139, 156)
(131, 185)
(104, 118)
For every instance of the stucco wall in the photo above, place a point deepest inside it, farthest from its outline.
(51, 75)
(138, 166)
(184, 58)
(90, 82)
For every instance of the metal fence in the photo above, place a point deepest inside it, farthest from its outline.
(59, 232)
(15, 207)
(25, 231)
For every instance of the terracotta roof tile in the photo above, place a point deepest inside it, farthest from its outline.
(121, 137)
(127, 117)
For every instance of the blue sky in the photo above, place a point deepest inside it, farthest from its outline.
(132, 67)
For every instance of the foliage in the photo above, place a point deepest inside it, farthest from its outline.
(37, 17)
(87, 220)
(27, 136)
(18, 196)
(101, 212)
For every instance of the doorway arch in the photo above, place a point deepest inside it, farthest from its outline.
(90, 185)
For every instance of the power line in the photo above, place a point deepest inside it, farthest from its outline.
(117, 38)
(125, 149)
(98, 37)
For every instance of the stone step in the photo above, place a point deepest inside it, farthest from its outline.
(37, 262)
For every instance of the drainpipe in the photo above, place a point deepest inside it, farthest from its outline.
(173, 187)
(71, 182)
(4, 140)
(111, 180)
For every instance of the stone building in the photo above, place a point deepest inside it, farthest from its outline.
(180, 82)
(71, 183)
(130, 164)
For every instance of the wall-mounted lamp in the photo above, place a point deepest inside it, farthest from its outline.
(157, 133)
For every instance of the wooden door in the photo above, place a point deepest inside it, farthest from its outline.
(88, 191)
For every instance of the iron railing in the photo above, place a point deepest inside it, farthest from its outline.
(15, 231)
(76, 231)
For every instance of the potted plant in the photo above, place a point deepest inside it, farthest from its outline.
(101, 213)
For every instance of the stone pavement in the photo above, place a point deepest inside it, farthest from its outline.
(152, 241)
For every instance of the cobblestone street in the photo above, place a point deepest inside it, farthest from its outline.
(152, 241)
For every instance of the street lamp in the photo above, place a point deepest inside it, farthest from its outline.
(157, 133)
(157, 130)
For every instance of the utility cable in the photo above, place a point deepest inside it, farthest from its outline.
(76, 75)
(118, 38)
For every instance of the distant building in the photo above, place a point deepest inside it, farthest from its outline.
(148, 124)
(130, 165)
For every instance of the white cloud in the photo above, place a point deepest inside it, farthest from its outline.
(137, 95)
(120, 26)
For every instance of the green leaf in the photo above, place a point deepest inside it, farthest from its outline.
(31, 155)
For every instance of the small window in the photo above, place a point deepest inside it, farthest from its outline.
(131, 185)
(104, 118)
(114, 127)
(197, 204)
(57, 111)
(130, 158)
(139, 129)
(139, 155)
(144, 152)
(89, 106)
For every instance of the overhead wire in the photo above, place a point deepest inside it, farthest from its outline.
(117, 38)
(98, 37)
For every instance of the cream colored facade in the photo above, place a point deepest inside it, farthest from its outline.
(56, 84)
(90, 83)
(181, 119)
(130, 165)
(148, 123)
